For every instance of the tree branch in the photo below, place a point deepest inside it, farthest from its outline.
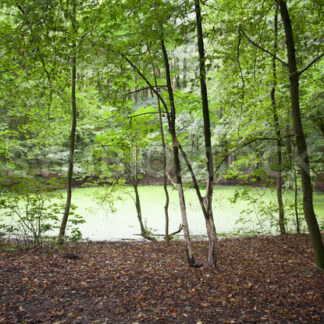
(146, 113)
(171, 234)
(246, 144)
(20, 8)
(142, 89)
(171, 180)
(263, 49)
(240, 68)
(177, 231)
(169, 123)
(147, 82)
(311, 63)
(44, 66)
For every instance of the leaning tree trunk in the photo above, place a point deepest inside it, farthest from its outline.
(132, 176)
(278, 132)
(177, 166)
(139, 209)
(210, 225)
(165, 178)
(302, 153)
(72, 133)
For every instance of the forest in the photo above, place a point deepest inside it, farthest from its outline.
(122, 119)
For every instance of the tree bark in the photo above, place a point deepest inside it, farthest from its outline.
(139, 209)
(72, 133)
(278, 132)
(165, 179)
(304, 166)
(288, 144)
(296, 201)
(136, 91)
(184, 82)
(210, 225)
(190, 257)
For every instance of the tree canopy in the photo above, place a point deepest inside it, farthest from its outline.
(196, 92)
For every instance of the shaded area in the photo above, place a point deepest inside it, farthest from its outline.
(261, 279)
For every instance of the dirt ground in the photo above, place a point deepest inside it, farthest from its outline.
(259, 280)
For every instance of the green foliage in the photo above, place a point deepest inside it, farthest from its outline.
(261, 216)
(32, 218)
(117, 132)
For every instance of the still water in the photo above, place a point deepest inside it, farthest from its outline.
(104, 224)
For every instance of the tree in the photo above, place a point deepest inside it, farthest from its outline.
(278, 131)
(177, 166)
(164, 154)
(304, 166)
(123, 146)
(302, 152)
(74, 32)
(208, 213)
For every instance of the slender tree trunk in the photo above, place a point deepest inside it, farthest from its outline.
(210, 225)
(177, 166)
(139, 209)
(166, 205)
(278, 132)
(165, 178)
(310, 217)
(72, 133)
(288, 144)
(136, 90)
(296, 201)
(132, 176)
(184, 82)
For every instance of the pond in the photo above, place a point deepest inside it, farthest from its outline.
(103, 224)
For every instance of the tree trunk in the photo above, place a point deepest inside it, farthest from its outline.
(139, 209)
(211, 231)
(165, 178)
(288, 144)
(136, 90)
(296, 201)
(310, 217)
(177, 166)
(184, 82)
(72, 133)
(278, 132)
(131, 174)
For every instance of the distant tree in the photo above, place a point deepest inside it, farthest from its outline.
(123, 146)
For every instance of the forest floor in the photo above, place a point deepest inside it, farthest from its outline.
(260, 279)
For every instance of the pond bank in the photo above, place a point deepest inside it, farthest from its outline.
(148, 180)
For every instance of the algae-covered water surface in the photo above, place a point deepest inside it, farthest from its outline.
(115, 217)
(104, 224)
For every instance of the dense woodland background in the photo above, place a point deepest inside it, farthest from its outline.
(182, 93)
